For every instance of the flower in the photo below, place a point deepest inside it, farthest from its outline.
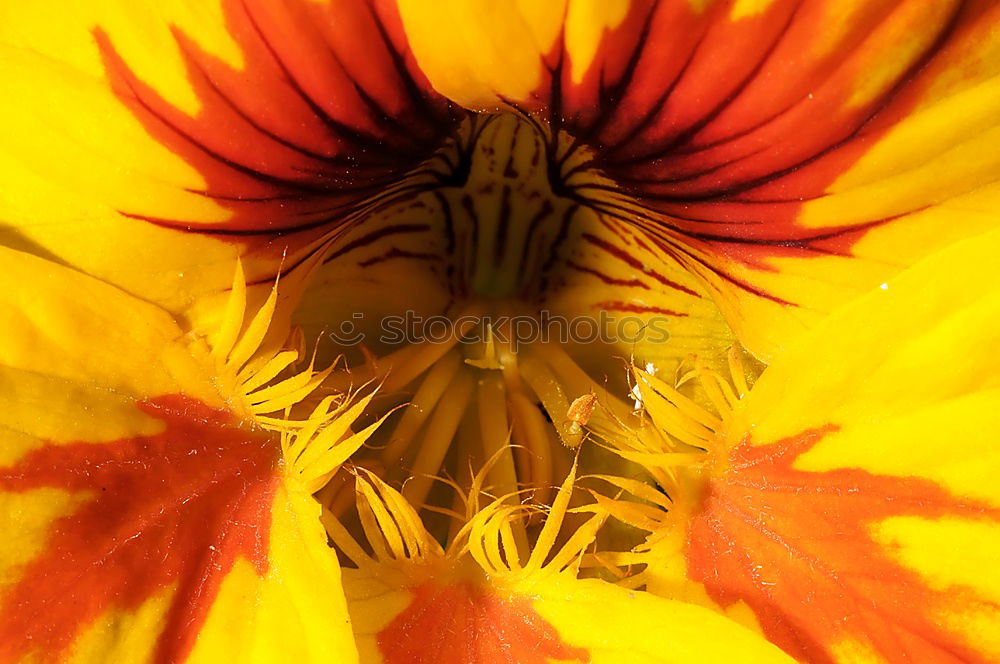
(535, 422)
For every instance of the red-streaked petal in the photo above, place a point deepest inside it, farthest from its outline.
(170, 511)
(556, 618)
(144, 518)
(452, 624)
(325, 111)
(244, 122)
(856, 506)
(797, 153)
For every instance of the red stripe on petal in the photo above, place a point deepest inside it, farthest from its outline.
(796, 547)
(635, 308)
(178, 508)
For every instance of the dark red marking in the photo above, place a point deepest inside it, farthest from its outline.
(633, 308)
(608, 279)
(633, 262)
(329, 111)
(396, 252)
(795, 546)
(466, 624)
(178, 508)
(372, 237)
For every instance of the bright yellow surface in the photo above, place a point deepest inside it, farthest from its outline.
(73, 156)
(121, 637)
(932, 176)
(75, 355)
(912, 351)
(619, 626)
(476, 52)
(68, 326)
(748, 8)
(587, 22)
(483, 52)
(373, 601)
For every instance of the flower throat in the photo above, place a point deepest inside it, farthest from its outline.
(481, 392)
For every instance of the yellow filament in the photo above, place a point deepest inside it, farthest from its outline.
(380, 543)
(494, 432)
(250, 341)
(495, 440)
(719, 392)
(638, 489)
(685, 405)
(425, 355)
(287, 395)
(509, 541)
(467, 442)
(637, 515)
(577, 543)
(437, 438)
(532, 430)
(659, 400)
(335, 430)
(570, 374)
(541, 379)
(419, 543)
(416, 413)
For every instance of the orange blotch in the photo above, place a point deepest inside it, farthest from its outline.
(466, 624)
(177, 508)
(795, 546)
(329, 110)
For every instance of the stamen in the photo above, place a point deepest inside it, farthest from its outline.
(433, 387)
(494, 431)
(435, 442)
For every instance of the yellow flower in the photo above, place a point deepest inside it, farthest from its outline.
(489, 384)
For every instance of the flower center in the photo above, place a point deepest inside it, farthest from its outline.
(498, 316)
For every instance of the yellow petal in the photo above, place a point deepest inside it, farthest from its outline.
(143, 519)
(856, 509)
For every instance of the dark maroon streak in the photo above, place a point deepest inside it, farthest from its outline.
(375, 236)
(628, 307)
(609, 280)
(635, 263)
